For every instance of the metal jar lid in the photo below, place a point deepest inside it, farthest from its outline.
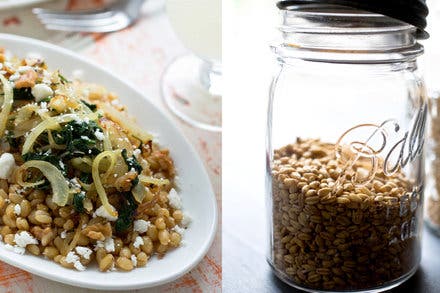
(413, 12)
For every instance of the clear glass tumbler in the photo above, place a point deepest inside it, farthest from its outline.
(345, 144)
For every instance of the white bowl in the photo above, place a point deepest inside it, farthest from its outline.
(195, 188)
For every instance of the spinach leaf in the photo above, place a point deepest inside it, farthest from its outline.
(63, 79)
(86, 178)
(79, 138)
(126, 213)
(13, 142)
(24, 93)
(131, 162)
(40, 156)
(78, 202)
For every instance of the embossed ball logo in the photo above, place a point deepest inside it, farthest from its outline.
(366, 149)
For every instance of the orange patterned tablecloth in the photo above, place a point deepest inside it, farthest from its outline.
(139, 54)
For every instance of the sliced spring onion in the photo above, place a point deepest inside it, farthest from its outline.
(52, 123)
(139, 192)
(151, 180)
(7, 104)
(84, 164)
(97, 180)
(59, 185)
(107, 143)
(126, 123)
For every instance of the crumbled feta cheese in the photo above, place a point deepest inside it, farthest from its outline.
(186, 220)
(109, 244)
(63, 234)
(23, 239)
(102, 212)
(99, 135)
(17, 209)
(41, 91)
(15, 248)
(179, 230)
(34, 55)
(85, 252)
(62, 165)
(23, 69)
(47, 78)
(42, 111)
(174, 199)
(141, 226)
(85, 137)
(134, 260)
(138, 241)
(79, 266)
(7, 163)
(99, 244)
(137, 152)
(43, 105)
(14, 76)
(71, 257)
(74, 182)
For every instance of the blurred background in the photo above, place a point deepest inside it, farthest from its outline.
(250, 28)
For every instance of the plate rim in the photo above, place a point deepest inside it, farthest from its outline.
(213, 227)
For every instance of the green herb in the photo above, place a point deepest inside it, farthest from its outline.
(131, 162)
(92, 107)
(126, 213)
(63, 79)
(78, 202)
(40, 156)
(46, 100)
(79, 138)
(13, 141)
(86, 178)
(24, 93)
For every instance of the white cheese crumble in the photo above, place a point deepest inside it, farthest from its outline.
(179, 230)
(138, 241)
(7, 163)
(23, 239)
(186, 220)
(23, 69)
(14, 77)
(99, 244)
(17, 209)
(174, 199)
(134, 260)
(99, 135)
(102, 212)
(137, 152)
(63, 234)
(85, 252)
(109, 244)
(15, 248)
(141, 226)
(41, 91)
(71, 257)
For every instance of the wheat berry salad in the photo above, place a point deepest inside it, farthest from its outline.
(80, 181)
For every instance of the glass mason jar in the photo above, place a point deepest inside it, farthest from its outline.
(345, 140)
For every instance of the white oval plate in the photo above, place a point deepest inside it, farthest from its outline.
(195, 188)
(8, 4)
